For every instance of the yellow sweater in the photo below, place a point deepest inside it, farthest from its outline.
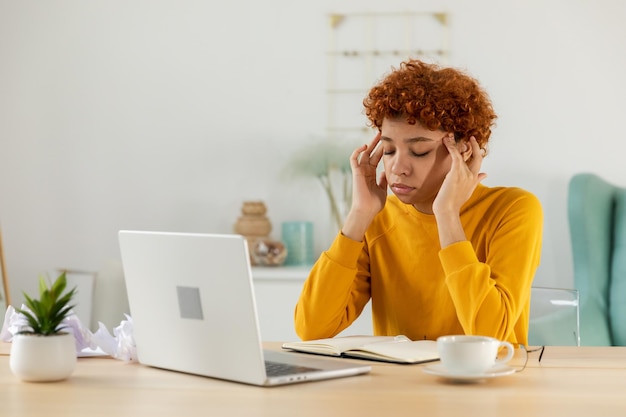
(479, 286)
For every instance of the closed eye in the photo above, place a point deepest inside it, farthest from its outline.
(418, 155)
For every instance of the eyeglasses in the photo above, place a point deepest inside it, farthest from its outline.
(528, 352)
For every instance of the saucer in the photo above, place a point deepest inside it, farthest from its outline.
(439, 370)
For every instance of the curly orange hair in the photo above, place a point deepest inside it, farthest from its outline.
(437, 98)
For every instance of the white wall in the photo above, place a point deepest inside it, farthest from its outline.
(167, 114)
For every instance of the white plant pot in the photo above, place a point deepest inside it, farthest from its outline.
(43, 358)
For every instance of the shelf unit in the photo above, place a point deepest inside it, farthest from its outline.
(363, 47)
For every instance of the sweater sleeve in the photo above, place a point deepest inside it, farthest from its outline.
(492, 295)
(336, 291)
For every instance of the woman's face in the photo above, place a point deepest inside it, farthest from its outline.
(415, 160)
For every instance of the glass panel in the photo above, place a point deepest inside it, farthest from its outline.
(554, 317)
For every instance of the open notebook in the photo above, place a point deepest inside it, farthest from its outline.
(193, 309)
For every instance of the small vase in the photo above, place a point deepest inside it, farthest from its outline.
(253, 221)
(255, 226)
(39, 358)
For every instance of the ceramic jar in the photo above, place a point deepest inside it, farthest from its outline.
(255, 226)
(41, 358)
(253, 222)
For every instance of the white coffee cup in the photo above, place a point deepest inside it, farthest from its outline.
(465, 354)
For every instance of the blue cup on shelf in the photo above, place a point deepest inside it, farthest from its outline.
(297, 236)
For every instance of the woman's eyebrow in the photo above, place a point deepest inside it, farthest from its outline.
(409, 140)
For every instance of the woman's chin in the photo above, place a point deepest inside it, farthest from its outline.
(421, 206)
(406, 199)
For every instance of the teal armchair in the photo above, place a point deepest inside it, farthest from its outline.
(597, 220)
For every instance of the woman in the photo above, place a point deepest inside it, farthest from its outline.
(442, 254)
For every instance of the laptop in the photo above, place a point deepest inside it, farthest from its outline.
(193, 308)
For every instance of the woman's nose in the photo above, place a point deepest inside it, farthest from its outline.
(400, 165)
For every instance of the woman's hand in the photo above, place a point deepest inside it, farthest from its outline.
(368, 195)
(457, 187)
(462, 179)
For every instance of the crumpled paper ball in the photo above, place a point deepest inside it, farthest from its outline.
(121, 345)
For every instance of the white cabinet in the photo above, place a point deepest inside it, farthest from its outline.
(277, 290)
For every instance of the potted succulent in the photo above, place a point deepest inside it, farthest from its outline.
(41, 350)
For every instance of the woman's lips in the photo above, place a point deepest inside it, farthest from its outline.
(401, 188)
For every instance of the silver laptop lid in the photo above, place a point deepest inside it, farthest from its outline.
(192, 304)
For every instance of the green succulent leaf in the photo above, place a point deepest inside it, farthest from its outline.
(47, 313)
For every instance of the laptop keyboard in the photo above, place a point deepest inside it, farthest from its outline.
(279, 369)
